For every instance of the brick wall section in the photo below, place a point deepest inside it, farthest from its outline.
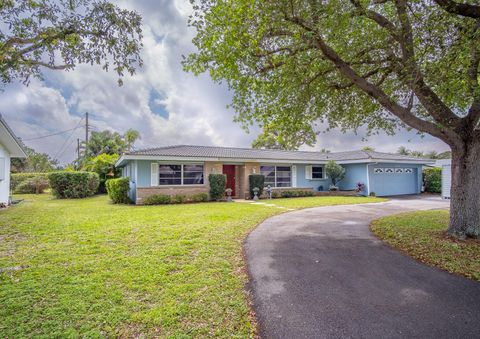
(248, 168)
(210, 167)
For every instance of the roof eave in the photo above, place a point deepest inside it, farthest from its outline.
(16, 149)
(126, 157)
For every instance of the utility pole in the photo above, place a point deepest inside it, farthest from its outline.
(78, 149)
(86, 128)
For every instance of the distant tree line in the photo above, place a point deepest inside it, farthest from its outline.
(100, 155)
(429, 155)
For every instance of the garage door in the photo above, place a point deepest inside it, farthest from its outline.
(386, 181)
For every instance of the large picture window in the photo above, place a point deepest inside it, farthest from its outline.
(190, 174)
(277, 176)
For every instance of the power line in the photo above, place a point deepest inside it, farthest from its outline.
(65, 149)
(51, 135)
(65, 146)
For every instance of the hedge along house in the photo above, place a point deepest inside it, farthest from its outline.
(10, 147)
(184, 170)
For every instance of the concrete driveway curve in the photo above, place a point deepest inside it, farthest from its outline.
(320, 273)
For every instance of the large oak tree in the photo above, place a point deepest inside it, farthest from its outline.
(383, 64)
(59, 34)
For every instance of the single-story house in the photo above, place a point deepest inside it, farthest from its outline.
(10, 147)
(184, 169)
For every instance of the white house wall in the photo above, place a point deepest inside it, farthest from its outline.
(5, 183)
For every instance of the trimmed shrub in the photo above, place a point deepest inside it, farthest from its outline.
(35, 185)
(157, 199)
(17, 178)
(288, 194)
(256, 180)
(294, 193)
(179, 199)
(73, 185)
(117, 190)
(372, 194)
(432, 178)
(308, 193)
(276, 194)
(199, 197)
(217, 186)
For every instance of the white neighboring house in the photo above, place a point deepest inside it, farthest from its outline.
(446, 166)
(10, 147)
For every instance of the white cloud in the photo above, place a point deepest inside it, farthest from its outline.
(167, 105)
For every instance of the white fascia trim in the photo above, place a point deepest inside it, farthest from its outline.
(385, 161)
(123, 158)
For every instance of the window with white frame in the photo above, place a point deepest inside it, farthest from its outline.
(317, 172)
(192, 174)
(188, 174)
(277, 176)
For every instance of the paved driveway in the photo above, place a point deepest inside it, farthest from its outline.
(320, 273)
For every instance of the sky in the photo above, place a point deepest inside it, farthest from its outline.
(165, 104)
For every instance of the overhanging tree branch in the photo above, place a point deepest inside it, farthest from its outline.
(375, 92)
(472, 11)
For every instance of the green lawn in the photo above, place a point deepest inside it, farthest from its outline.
(423, 236)
(89, 268)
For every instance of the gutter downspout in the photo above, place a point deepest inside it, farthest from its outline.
(368, 180)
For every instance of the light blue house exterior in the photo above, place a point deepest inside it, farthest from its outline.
(184, 170)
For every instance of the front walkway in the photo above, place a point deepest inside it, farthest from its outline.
(320, 273)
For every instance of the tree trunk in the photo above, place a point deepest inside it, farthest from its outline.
(465, 191)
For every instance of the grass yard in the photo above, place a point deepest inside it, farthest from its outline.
(92, 269)
(422, 236)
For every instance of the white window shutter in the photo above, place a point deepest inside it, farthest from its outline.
(294, 176)
(154, 174)
(308, 172)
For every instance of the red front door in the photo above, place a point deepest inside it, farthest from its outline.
(229, 171)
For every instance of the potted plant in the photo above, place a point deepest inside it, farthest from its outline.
(228, 192)
(255, 193)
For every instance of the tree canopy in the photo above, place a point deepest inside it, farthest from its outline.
(59, 34)
(430, 155)
(274, 138)
(108, 142)
(382, 64)
(294, 63)
(34, 162)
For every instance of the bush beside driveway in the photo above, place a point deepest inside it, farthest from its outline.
(87, 267)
